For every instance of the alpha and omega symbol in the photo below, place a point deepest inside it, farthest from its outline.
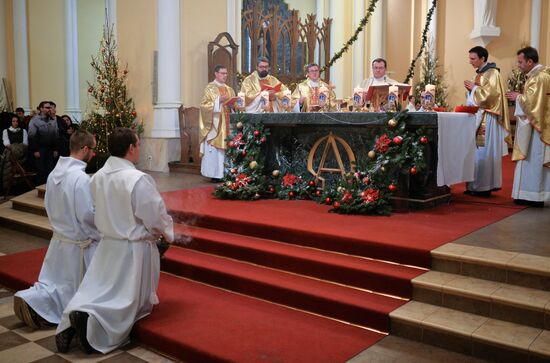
(330, 145)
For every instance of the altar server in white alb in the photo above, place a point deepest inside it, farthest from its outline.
(214, 124)
(71, 214)
(493, 131)
(120, 285)
(532, 142)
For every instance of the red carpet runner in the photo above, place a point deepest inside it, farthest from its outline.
(276, 260)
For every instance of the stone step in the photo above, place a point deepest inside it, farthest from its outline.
(512, 268)
(41, 190)
(30, 223)
(30, 203)
(492, 299)
(471, 334)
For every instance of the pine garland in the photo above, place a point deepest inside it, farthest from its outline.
(410, 73)
(354, 37)
(395, 151)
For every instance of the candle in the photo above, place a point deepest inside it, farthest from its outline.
(430, 88)
(265, 98)
(240, 100)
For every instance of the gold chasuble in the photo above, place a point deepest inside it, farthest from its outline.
(311, 94)
(489, 95)
(210, 117)
(535, 102)
(253, 85)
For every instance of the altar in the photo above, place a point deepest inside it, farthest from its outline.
(450, 153)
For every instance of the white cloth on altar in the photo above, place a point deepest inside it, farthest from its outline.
(531, 177)
(212, 162)
(456, 147)
(120, 285)
(70, 211)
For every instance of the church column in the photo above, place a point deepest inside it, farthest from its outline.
(433, 27)
(377, 34)
(72, 84)
(359, 45)
(3, 47)
(21, 53)
(336, 40)
(110, 15)
(234, 9)
(536, 8)
(169, 74)
(320, 9)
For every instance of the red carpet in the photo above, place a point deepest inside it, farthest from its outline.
(402, 237)
(199, 323)
(502, 197)
(221, 295)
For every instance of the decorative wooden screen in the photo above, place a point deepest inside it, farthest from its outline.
(223, 50)
(289, 43)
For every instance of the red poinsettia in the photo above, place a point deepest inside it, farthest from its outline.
(370, 195)
(289, 180)
(242, 179)
(347, 197)
(238, 140)
(383, 143)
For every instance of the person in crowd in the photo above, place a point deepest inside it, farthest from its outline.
(23, 120)
(15, 134)
(65, 132)
(532, 142)
(257, 83)
(214, 124)
(493, 132)
(44, 141)
(70, 212)
(120, 284)
(307, 96)
(411, 106)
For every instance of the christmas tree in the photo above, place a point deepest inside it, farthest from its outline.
(430, 76)
(111, 106)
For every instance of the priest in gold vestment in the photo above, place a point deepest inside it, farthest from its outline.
(258, 81)
(532, 142)
(214, 124)
(307, 96)
(493, 132)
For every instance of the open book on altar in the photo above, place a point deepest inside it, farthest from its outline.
(267, 87)
(378, 95)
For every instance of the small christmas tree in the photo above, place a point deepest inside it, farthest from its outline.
(111, 106)
(430, 76)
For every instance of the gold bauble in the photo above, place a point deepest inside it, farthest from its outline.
(239, 125)
(371, 154)
(253, 164)
(256, 196)
(228, 183)
(392, 123)
(382, 169)
(275, 173)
